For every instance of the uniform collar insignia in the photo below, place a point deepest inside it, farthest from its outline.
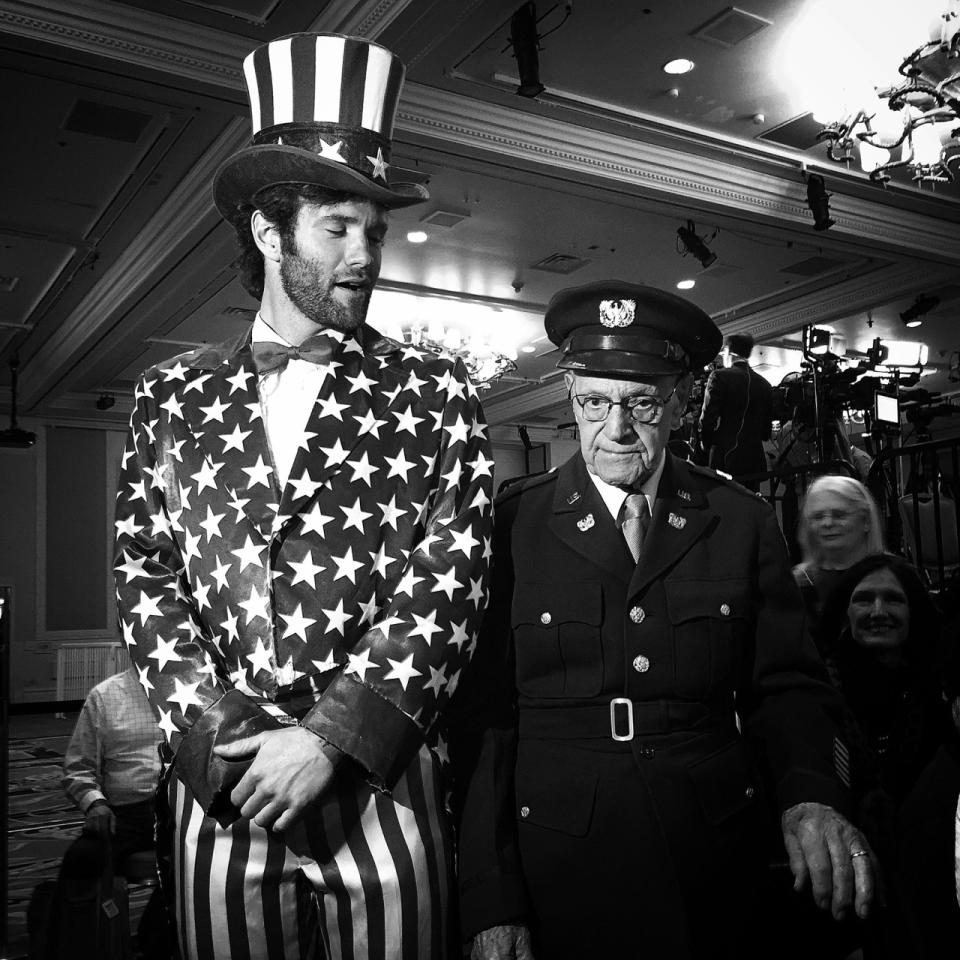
(677, 522)
(684, 495)
(585, 523)
(574, 497)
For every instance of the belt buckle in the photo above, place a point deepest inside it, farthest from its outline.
(614, 703)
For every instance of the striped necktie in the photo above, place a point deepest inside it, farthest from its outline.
(634, 522)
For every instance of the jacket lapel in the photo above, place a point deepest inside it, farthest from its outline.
(223, 413)
(681, 516)
(582, 521)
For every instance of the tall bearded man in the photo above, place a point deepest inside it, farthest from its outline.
(302, 551)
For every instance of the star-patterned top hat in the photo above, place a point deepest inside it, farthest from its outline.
(323, 107)
(616, 328)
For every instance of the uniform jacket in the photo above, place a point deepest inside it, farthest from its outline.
(709, 620)
(364, 579)
(736, 419)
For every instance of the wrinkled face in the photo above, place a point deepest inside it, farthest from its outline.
(619, 450)
(879, 612)
(331, 263)
(839, 527)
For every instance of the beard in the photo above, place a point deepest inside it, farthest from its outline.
(315, 293)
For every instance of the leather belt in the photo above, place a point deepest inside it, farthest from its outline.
(620, 719)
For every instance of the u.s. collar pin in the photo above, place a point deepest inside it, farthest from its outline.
(677, 522)
(585, 523)
(683, 494)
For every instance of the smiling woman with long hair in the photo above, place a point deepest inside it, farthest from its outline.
(880, 633)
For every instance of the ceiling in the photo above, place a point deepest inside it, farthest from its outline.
(118, 113)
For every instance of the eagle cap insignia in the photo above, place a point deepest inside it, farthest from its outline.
(617, 313)
(677, 522)
(585, 523)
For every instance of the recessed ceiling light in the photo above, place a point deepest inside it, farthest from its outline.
(686, 284)
(528, 349)
(681, 65)
(417, 236)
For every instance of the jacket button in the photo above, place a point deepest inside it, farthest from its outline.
(545, 617)
(641, 664)
(725, 609)
(749, 792)
(524, 812)
(637, 614)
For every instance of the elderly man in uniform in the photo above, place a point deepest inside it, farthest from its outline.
(645, 680)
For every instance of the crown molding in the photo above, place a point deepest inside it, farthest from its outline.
(775, 193)
(187, 50)
(134, 273)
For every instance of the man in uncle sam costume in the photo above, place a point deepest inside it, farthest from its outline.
(641, 607)
(302, 551)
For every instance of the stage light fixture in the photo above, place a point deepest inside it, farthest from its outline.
(922, 305)
(689, 242)
(526, 46)
(818, 200)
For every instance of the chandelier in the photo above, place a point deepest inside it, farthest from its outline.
(913, 123)
(484, 362)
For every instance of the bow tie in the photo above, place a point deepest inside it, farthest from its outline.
(270, 357)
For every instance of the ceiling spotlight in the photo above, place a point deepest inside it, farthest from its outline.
(417, 236)
(923, 304)
(528, 349)
(526, 46)
(686, 284)
(689, 242)
(818, 200)
(680, 65)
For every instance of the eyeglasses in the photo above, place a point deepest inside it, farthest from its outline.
(641, 407)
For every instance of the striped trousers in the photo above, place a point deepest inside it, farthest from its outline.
(361, 876)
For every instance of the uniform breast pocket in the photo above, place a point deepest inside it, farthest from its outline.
(556, 632)
(709, 619)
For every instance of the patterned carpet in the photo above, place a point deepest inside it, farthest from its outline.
(43, 823)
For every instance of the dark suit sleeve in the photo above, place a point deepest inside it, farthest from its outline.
(766, 409)
(789, 710)
(710, 413)
(483, 738)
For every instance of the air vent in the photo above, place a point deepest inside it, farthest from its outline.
(101, 120)
(444, 218)
(8, 283)
(813, 266)
(559, 263)
(731, 27)
(800, 133)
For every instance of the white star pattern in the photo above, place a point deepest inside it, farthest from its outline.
(225, 580)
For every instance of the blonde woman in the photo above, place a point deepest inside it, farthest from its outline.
(839, 525)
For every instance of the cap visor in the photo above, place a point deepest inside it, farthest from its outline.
(614, 362)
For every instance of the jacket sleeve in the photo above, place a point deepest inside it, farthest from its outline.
(483, 750)
(404, 669)
(158, 613)
(710, 412)
(788, 707)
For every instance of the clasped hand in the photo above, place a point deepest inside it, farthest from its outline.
(290, 770)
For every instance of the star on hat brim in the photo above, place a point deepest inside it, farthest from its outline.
(267, 164)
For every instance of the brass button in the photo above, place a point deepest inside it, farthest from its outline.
(637, 614)
(725, 609)
(641, 664)
(545, 618)
(749, 792)
(524, 812)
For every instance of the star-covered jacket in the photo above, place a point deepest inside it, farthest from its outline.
(364, 579)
